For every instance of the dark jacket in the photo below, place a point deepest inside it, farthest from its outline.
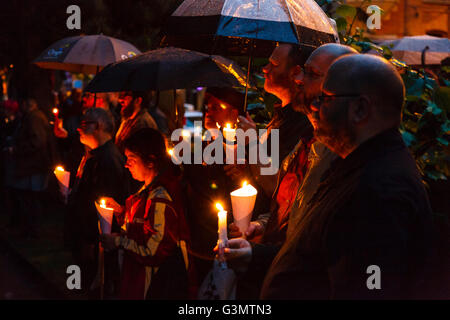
(35, 150)
(370, 209)
(293, 126)
(103, 175)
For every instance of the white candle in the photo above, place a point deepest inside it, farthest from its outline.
(62, 176)
(105, 216)
(229, 133)
(222, 214)
(243, 202)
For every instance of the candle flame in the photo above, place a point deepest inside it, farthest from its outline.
(219, 206)
(102, 203)
(217, 125)
(244, 184)
(55, 111)
(170, 152)
(228, 126)
(59, 168)
(223, 106)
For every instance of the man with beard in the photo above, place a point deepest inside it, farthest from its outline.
(303, 173)
(366, 232)
(134, 116)
(284, 64)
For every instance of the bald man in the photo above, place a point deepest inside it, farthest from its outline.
(303, 183)
(366, 231)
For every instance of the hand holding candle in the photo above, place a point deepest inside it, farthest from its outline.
(243, 202)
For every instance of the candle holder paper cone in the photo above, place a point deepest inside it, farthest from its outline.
(105, 215)
(242, 208)
(63, 178)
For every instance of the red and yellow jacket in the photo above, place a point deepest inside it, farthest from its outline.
(154, 232)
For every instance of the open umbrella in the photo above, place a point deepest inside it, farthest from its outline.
(168, 68)
(420, 50)
(199, 23)
(85, 54)
(247, 27)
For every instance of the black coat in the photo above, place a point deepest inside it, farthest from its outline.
(104, 174)
(370, 209)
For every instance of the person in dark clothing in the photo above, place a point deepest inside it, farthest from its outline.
(371, 210)
(33, 155)
(284, 64)
(111, 103)
(269, 230)
(101, 173)
(134, 116)
(207, 184)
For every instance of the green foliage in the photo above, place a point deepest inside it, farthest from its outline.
(425, 126)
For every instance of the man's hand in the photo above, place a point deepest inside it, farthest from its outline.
(254, 229)
(238, 254)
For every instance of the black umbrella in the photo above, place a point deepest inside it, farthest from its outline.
(231, 27)
(247, 27)
(85, 54)
(168, 68)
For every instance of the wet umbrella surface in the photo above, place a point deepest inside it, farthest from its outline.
(168, 68)
(85, 54)
(199, 23)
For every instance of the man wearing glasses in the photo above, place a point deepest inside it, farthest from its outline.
(366, 233)
(101, 173)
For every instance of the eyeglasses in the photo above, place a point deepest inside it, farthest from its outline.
(84, 124)
(321, 99)
(311, 73)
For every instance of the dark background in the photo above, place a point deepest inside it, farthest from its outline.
(27, 27)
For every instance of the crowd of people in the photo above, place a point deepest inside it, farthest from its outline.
(347, 196)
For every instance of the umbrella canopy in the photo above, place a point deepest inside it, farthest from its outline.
(168, 68)
(292, 21)
(85, 54)
(409, 49)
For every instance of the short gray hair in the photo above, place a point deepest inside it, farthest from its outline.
(102, 116)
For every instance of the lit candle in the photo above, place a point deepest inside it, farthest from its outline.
(55, 111)
(243, 202)
(229, 133)
(62, 176)
(222, 214)
(105, 216)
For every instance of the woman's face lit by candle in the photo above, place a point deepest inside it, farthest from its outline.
(138, 169)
